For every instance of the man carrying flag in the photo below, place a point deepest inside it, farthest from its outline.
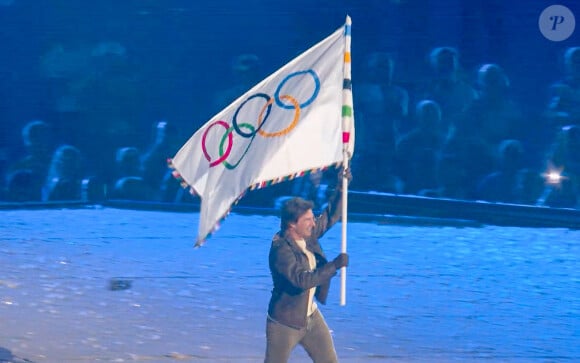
(300, 272)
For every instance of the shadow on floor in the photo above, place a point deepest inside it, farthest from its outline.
(6, 356)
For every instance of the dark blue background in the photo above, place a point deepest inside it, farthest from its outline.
(179, 52)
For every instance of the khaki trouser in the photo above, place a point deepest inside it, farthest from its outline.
(315, 338)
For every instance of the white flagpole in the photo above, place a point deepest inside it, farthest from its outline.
(344, 222)
(347, 117)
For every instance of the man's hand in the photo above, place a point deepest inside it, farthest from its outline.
(343, 173)
(340, 261)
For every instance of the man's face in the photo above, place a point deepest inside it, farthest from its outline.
(304, 225)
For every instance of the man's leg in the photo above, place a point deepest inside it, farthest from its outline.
(317, 342)
(280, 341)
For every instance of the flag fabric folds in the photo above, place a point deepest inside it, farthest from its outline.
(290, 123)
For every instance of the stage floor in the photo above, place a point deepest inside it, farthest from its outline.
(115, 285)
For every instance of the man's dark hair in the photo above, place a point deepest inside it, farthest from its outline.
(292, 209)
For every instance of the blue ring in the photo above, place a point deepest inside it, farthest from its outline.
(308, 101)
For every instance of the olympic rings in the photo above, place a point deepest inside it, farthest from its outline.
(263, 116)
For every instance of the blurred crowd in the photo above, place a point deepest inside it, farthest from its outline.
(465, 136)
(455, 135)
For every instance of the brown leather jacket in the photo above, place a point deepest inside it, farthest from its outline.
(291, 272)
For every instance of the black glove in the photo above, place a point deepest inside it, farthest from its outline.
(340, 261)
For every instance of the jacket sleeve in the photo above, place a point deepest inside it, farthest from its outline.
(295, 271)
(331, 213)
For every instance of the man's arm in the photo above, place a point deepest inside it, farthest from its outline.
(286, 264)
(332, 212)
